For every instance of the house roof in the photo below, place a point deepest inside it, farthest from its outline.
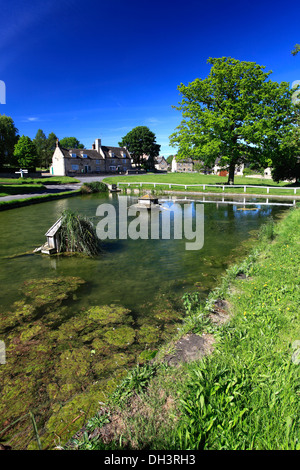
(186, 160)
(94, 155)
(160, 159)
(117, 151)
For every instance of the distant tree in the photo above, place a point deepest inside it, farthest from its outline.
(169, 159)
(71, 143)
(51, 145)
(8, 139)
(236, 115)
(141, 141)
(25, 153)
(40, 142)
(296, 49)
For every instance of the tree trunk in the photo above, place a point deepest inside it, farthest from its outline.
(231, 173)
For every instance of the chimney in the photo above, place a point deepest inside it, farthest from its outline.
(93, 146)
(57, 143)
(98, 145)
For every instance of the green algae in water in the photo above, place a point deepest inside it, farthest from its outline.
(51, 291)
(109, 314)
(64, 360)
(149, 334)
(121, 336)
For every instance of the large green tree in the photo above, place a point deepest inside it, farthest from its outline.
(235, 115)
(286, 165)
(141, 141)
(71, 143)
(8, 139)
(25, 153)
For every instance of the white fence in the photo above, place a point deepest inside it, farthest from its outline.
(210, 185)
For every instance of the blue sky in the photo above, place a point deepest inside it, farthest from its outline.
(97, 69)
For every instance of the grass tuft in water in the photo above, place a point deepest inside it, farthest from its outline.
(78, 234)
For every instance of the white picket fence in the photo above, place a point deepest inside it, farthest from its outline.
(208, 185)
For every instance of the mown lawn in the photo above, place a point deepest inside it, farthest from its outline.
(192, 178)
(189, 179)
(46, 180)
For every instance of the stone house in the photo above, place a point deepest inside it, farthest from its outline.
(181, 166)
(99, 159)
(161, 164)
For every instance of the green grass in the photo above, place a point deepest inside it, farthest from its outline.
(5, 205)
(196, 178)
(46, 180)
(245, 395)
(12, 189)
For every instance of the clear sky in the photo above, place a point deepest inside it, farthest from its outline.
(97, 69)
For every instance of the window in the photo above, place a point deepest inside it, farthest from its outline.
(75, 167)
(74, 155)
(97, 162)
(84, 155)
(112, 168)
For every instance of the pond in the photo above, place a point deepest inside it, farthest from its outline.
(73, 325)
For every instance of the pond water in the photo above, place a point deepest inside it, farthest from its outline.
(51, 366)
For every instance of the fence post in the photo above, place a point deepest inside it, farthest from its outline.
(268, 190)
(245, 189)
(295, 191)
(204, 187)
(223, 188)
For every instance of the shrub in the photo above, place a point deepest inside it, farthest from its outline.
(94, 187)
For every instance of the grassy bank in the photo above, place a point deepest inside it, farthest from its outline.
(12, 189)
(244, 394)
(42, 180)
(5, 205)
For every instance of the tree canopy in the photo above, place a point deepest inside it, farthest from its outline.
(8, 139)
(71, 143)
(25, 153)
(235, 115)
(296, 49)
(141, 141)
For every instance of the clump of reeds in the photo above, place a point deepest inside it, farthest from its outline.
(77, 234)
(93, 187)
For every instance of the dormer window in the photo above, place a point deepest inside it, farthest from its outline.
(73, 155)
(84, 155)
